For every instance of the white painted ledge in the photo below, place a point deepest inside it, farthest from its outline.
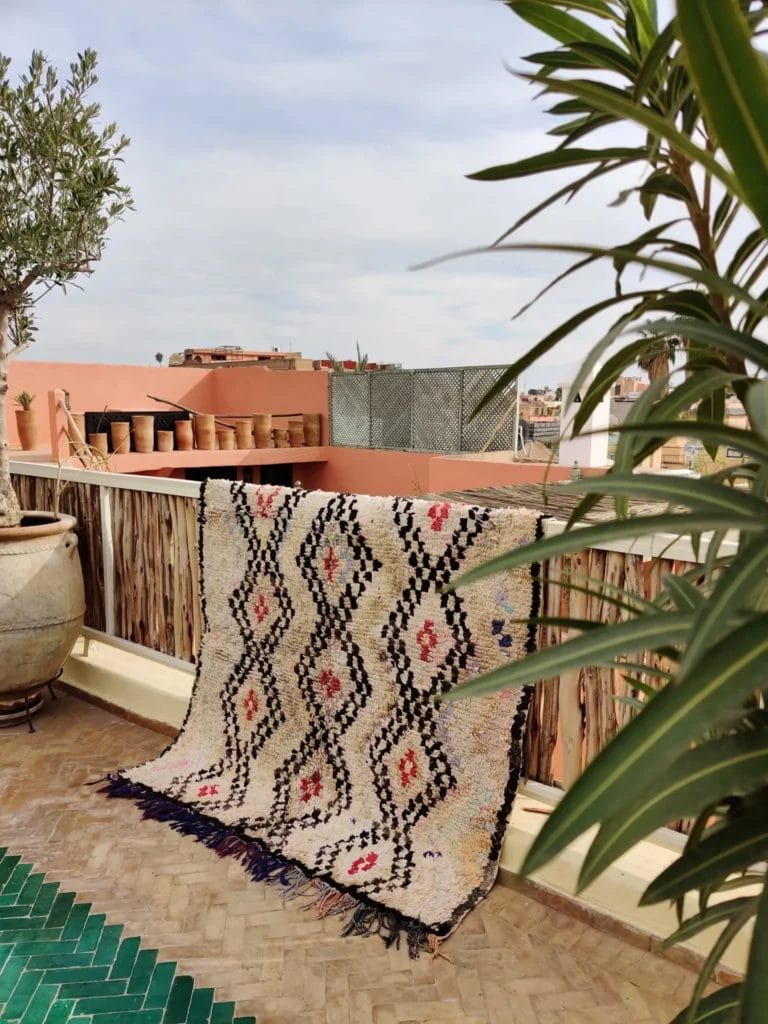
(617, 891)
(155, 689)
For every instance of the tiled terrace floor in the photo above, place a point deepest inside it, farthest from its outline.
(514, 961)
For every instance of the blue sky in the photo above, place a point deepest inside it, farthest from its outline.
(290, 161)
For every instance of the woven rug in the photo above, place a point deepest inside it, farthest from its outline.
(314, 749)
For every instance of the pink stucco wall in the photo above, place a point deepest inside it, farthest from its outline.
(247, 390)
(93, 387)
(411, 473)
(250, 389)
(366, 471)
(447, 474)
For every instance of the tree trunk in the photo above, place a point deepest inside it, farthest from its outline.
(9, 505)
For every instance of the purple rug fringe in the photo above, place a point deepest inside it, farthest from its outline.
(263, 866)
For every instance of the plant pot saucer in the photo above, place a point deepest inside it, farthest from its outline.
(18, 706)
(16, 710)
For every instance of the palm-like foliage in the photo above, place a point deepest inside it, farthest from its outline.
(697, 90)
(658, 359)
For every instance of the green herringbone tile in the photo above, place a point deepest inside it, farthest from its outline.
(61, 964)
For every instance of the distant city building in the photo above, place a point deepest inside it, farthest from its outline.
(539, 403)
(629, 388)
(735, 414)
(272, 359)
(350, 365)
(228, 355)
(539, 428)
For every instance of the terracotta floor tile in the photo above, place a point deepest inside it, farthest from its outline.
(513, 961)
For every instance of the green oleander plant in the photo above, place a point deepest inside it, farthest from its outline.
(696, 91)
(60, 192)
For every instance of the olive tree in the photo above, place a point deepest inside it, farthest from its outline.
(60, 191)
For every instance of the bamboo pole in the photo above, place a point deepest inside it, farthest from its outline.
(185, 408)
(595, 680)
(569, 689)
(615, 579)
(547, 704)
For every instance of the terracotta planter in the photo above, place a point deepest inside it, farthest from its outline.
(262, 430)
(165, 440)
(243, 434)
(75, 448)
(26, 423)
(226, 439)
(311, 429)
(42, 601)
(143, 433)
(281, 438)
(183, 435)
(99, 443)
(296, 433)
(120, 434)
(205, 431)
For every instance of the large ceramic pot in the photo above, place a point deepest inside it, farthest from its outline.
(42, 600)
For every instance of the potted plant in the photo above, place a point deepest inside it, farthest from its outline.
(26, 424)
(59, 195)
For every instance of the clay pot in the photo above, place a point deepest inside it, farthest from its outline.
(262, 430)
(75, 448)
(296, 433)
(311, 429)
(143, 433)
(183, 435)
(281, 438)
(243, 434)
(26, 423)
(41, 600)
(226, 439)
(99, 443)
(165, 440)
(205, 431)
(120, 433)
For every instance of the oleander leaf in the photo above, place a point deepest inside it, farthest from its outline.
(645, 748)
(732, 80)
(722, 767)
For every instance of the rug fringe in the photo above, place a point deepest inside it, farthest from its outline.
(264, 866)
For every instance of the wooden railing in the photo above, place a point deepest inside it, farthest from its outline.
(573, 717)
(138, 545)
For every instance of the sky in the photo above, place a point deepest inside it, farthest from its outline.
(291, 161)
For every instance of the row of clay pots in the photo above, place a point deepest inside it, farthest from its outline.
(258, 432)
(201, 432)
(143, 428)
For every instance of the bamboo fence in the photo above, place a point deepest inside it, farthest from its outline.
(157, 592)
(153, 562)
(573, 717)
(80, 500)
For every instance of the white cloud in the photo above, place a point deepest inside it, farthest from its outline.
(290, 162)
